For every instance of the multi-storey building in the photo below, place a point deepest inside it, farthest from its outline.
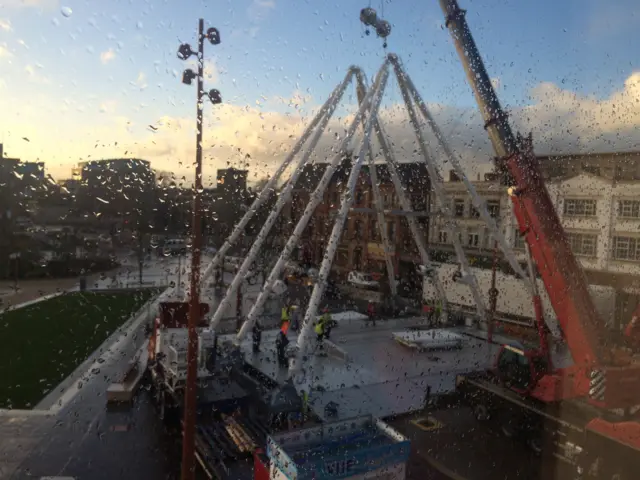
(473, 231)
(360, 246)
(597, 198)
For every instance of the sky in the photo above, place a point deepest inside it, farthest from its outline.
(83, 80)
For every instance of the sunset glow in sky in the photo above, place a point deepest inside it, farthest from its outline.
(83, 80)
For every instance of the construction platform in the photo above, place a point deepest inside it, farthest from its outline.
(372, 374)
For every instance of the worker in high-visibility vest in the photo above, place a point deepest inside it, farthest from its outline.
(285, 314)
(281, 345)
(327, 323)
(438, 310)
(319, 329)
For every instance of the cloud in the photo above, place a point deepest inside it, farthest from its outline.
(5, 25)
(566, 121)
(258, 137)
(107, 56)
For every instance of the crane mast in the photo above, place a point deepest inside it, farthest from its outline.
(533, 208)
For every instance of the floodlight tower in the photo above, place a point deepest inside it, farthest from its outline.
(188, 439)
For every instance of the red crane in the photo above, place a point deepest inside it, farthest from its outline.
(561, 274)
(604, 379)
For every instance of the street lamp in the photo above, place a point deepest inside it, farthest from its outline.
(188, 440)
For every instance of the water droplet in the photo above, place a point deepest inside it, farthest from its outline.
(139, 25)
(66, 12)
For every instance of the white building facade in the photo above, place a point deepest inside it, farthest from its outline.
(601, 218)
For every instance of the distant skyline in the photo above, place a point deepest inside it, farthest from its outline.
(85, 80)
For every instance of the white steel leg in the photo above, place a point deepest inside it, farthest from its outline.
(338, 226)
(284, 198)
(268, 189)
(438, 188)
(316, 198)
(392, 164)
(477, 201)
(377, 201)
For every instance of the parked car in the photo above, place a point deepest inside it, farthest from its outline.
(362, 280)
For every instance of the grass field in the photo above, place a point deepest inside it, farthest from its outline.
(42, 344)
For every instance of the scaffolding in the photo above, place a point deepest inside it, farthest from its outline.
(369, 100)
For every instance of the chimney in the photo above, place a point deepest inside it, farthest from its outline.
(1, 151)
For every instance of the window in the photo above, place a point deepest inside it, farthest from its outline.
(580, 208)
(626, 248)
(473, 239)
(583, 243)
(391, 231)
(359, 197)
(357, 228)
(629, 208)
(342, 256)
(334, 197)
(474, 212)
(489, 241)
(443, 236)
(373, 230)
(493, 206)
(518, 242)
(345, 232)
(418, 202)
(458, 208)
(357, 258)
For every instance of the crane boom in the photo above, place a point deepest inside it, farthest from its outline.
(533, 208)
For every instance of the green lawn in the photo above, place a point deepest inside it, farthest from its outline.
(42, 344)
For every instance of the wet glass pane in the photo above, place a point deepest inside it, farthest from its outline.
(282, 239)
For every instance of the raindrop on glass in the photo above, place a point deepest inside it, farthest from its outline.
(66, 11)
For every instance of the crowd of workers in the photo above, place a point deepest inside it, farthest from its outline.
(290, 319)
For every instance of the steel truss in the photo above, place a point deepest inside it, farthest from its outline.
(367, 116)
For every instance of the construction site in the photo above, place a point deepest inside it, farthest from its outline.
(214, 380)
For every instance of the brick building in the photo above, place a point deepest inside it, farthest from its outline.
(360, 246)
